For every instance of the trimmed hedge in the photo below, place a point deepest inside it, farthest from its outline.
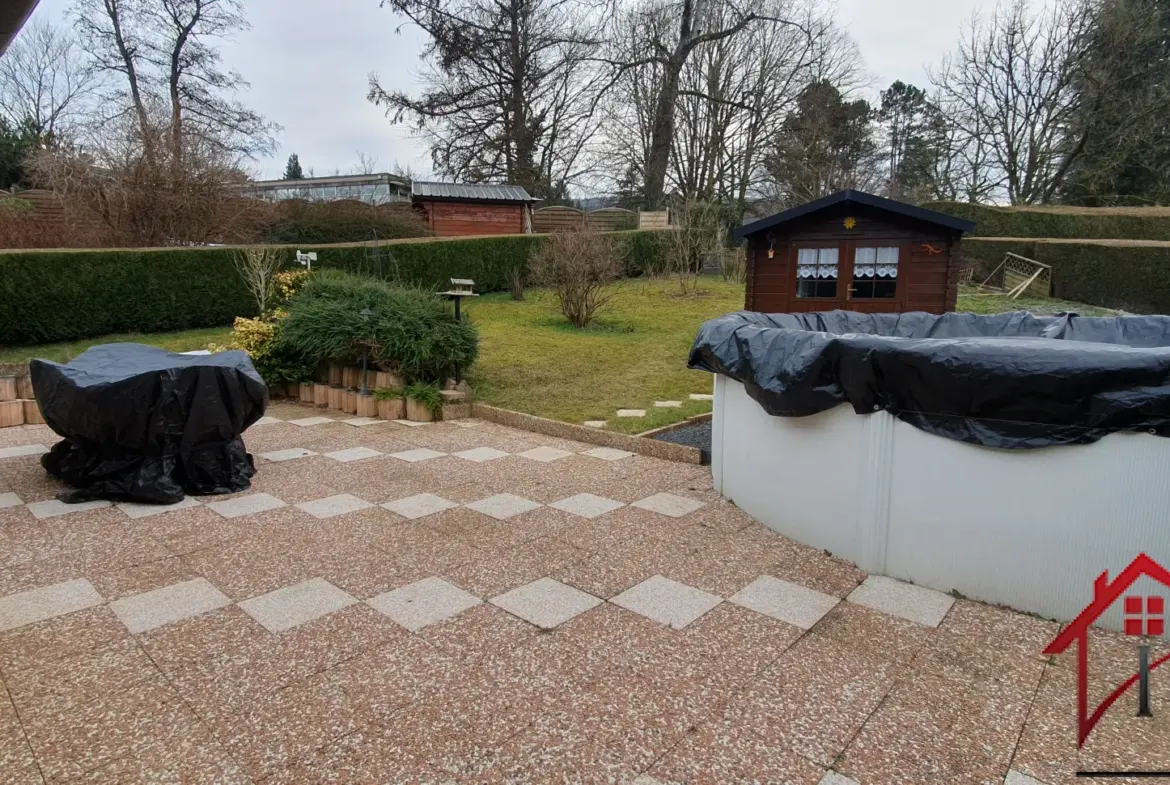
(1134, 278)
(1004, 222)
(50, 296)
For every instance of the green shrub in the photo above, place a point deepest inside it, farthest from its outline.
(49, 296)
(426, 394)
(338, 318)
(1134, 278)
(1003, 222)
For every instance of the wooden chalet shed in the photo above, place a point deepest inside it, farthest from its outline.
(454, 210)
(853, 251)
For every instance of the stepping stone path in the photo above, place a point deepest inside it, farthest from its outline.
(595, 423)
(667, 404)
(631, 412)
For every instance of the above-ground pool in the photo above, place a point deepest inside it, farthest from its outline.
(1009, 459)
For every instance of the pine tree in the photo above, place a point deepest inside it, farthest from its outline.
(292, 170)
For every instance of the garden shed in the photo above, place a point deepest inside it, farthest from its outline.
(853, 251)
(453, 210)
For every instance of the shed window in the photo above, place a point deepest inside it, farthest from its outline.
(816, 272)
(875, 272)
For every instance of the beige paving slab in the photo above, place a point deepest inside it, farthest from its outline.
(503, 506)
(47, 602)
(785, 601)
(292, 606)
(246, 505)
(608, 453)
(53, 508)
(544, 454)
(169, 604)
(136, 511)
(481, 454)
(332, 506)
(353, 454)
(308, 422)
(669, 504)
(420, 505)
(546, 603)
(914, 603)
(423, 603)
(23, 450)
(9, 500)
(290, 454)
(667, 602)
(417, 455)
(587, 505)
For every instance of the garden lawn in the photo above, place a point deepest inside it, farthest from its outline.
(182, 341)
(998, 303)
(533, 361)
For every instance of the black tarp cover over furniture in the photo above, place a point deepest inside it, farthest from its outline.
(143, 424)
(1012, 380)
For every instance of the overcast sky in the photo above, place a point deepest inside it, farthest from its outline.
(308, 62)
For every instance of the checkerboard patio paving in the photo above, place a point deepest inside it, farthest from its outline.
(471, 603)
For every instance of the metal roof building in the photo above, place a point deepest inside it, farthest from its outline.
(454, 192)
(462, 210)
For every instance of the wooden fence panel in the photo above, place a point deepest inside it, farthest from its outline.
(557, 219)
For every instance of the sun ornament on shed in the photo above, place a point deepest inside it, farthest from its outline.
(851, 222)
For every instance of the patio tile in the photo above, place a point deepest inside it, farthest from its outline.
(146, 611)
(246, 505)
(9, 500)
(586, 505)
(784, 601)
(286, 608)
(914, 603)
(136, 511)
(52, 508)
(24, 449)
(352, 454)
(267, 421)
(481, 454)
(46, 602)
(308, 422)
(503, 506)
(119, 725)
(546, 603)
(360, 421)
(608, 453)
(478, 632)
(721, 753)
(666, 601)
(833, 778)
(291, 454)
(412, 423)
(419, 505)
(544, 454)
(415, 456)
(423, 603)
(668, 504)
(667, 404)
(332, 506)
(1015, 778)
(631, 412)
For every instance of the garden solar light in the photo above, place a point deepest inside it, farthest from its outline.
(365, 313)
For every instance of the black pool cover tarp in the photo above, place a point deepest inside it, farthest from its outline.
(1012, 380)
(146, 425)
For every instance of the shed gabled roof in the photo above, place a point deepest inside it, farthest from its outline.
(470, 193)
(941, 220)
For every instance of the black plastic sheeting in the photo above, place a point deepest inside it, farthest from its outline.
(143, 424)
(1012, 380)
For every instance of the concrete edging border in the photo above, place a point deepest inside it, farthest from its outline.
(667, 451)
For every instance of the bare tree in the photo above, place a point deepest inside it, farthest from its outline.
(367, 164)
(161, 52)
(258, 265)
(673, 30)
(699, 230)
(44, 79)
(1010, 89)
(506, 89)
